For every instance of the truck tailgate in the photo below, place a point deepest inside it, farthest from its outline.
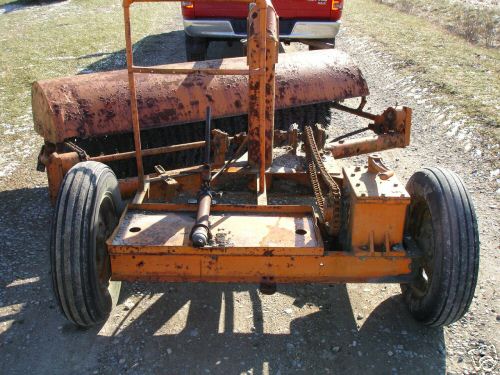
(287, 9)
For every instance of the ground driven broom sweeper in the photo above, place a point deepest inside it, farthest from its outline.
(170, 174)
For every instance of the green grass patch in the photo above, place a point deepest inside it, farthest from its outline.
(477, 24)
(462, 74)
(57, 39)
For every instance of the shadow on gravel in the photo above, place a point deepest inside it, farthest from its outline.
(327, 341)
(193, 328)
(158, 49)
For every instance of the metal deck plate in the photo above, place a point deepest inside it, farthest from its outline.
(265, 233)
(367, 186)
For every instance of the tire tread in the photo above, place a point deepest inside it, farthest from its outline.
(70, 259)
(455, 227)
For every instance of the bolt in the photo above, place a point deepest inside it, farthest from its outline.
(397, 247)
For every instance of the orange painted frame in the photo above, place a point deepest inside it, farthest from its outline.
(201, 265)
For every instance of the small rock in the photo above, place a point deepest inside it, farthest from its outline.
(390, 353)
(336, 349)
(193, 333)
(169, 351)
(289, 311)
(121, 361)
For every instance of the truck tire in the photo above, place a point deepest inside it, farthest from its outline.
(442, 223)
(87, 211)
(313, 48)
(196, 48)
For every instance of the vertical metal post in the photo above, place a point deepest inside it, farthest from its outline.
(133, 95)
(208, 134)
(262, 96)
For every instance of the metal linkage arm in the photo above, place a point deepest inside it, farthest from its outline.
(392, 129)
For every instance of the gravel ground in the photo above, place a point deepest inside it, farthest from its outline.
(481, 3)
(233, 329)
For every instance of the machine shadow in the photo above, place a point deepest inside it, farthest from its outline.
(24, 270)
(191, 328)
(200, 328)
(158, 49)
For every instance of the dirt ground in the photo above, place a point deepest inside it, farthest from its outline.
(233, 329)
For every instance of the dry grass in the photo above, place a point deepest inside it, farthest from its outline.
(463, 75)
(478, 25)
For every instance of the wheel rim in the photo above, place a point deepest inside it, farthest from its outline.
(106, 223)
(422, 232)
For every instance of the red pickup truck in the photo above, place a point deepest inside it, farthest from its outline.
(300, 20)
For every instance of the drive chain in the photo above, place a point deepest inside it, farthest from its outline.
(329, 203)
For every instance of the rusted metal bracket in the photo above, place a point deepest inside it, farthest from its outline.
(376, 165)
(220, 145)
(81, 152)
(392, 129)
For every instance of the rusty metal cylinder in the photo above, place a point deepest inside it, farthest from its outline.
(200, 234)
(98, 104)
(366, 145)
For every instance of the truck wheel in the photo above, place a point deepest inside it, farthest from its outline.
(196, 48)
(332, 41)
(442, 223)
(87, 211)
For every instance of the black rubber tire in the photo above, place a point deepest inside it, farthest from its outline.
(312, 48)
(442, 223)
(87, 211)
(196, 48)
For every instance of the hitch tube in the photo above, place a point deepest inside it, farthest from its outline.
(201, 231)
